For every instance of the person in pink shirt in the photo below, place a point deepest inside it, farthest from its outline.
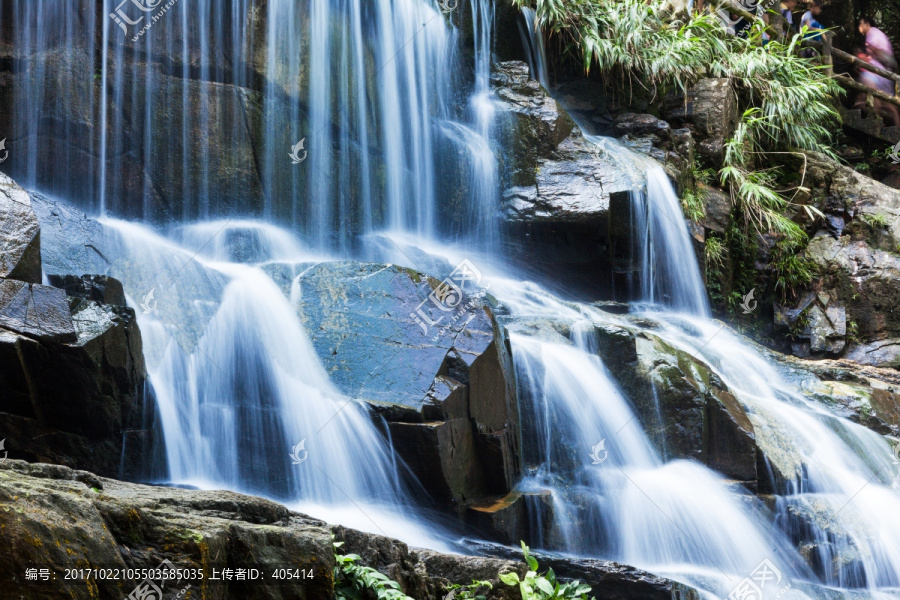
(876, 82)
(877, 44)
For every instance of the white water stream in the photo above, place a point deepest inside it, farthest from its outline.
(238, 382)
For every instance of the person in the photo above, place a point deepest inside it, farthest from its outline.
(877, 44)
(787, 11)
(876, 82)
(809, 21)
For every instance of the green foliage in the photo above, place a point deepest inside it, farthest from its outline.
(469, 592)
(356, 582)
(715, 254)
(792, 268)
(787, 101)
(706, 176)
(693, 206)
(874, 220)
(535, 586)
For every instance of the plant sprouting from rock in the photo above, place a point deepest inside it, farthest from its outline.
(357, 582)
(468, 592)
(535, 586)
(786, 101)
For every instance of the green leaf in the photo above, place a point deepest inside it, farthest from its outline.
(545, 586)
(509, 578)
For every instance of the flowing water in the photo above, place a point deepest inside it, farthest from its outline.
(244, 400)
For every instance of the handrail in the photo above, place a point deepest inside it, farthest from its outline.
(827, 53)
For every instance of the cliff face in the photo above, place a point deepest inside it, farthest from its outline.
(72, 375)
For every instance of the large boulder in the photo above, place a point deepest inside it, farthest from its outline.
(72, 374)
(440, 376)
(685, 408)
(56, 518)
(38, 311)
(20, 241)
(854, 251)
(557, 186)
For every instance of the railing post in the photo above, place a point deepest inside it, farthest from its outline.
(826, 54)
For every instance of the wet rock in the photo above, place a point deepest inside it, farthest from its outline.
(818, 323)
(99, 288)
(72, 240)
(710, 111)
(863, 284)
(38, 311)
(72, 371)
(718, 208)
(441, 376)
(556, 185)
(863, 394)
(57, 517)
(20, 242)
(684, 407)
(444, 457)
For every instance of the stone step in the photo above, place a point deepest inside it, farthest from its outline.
(891, 134)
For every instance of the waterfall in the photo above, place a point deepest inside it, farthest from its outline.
(611, 494)
(835, 473)
(533, 42)
(330, 118)
(669, 271)
(244, 401)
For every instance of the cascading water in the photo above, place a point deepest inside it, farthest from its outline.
(238, 383)
(533, 41)
(365, 87)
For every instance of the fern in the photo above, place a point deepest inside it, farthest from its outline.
(353, 581)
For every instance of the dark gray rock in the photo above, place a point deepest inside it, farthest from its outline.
(20, 241)
(718, 208)
(57, 517)
(863, 394)
(38, 311)
(818, 322)
(710, 111)
(72, 371)
(558, 189)
(442, 378)
(555, 175)
(684, 406)
(73, 242)
(99, 288)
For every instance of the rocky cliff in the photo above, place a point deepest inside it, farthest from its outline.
(72, 375)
